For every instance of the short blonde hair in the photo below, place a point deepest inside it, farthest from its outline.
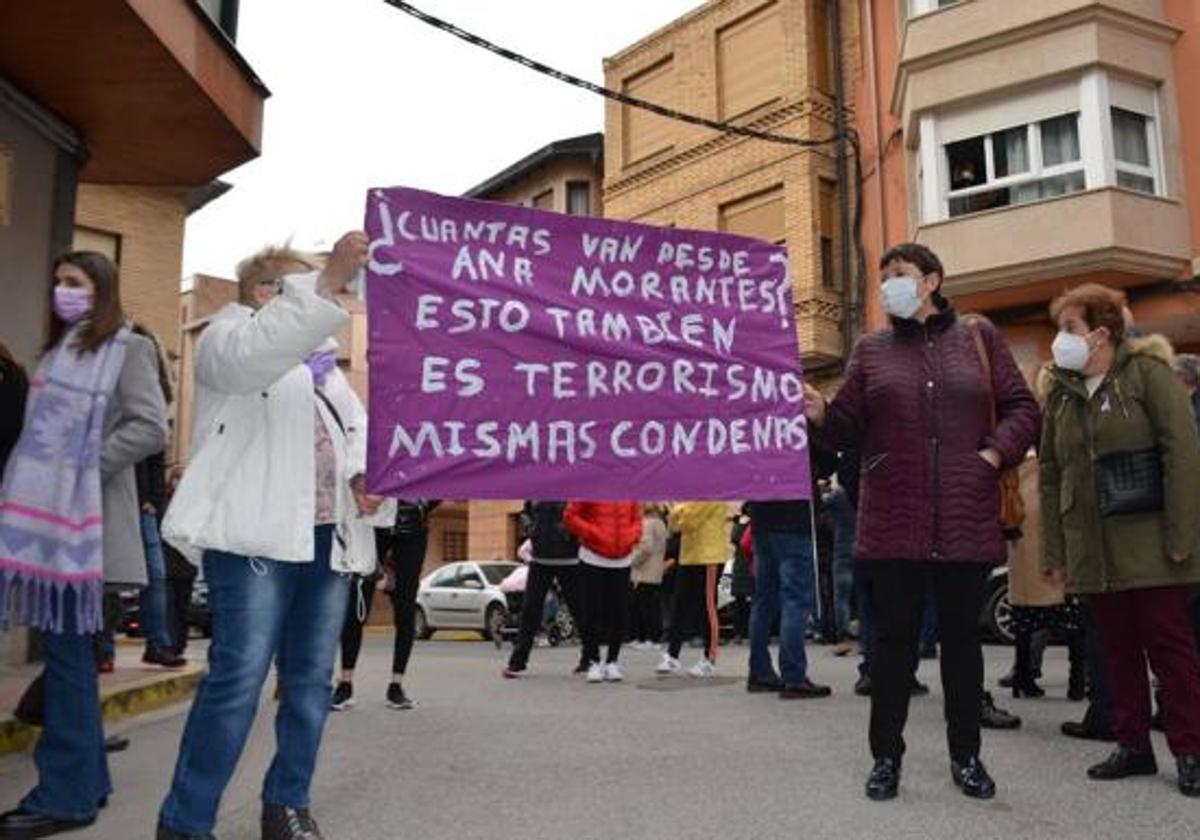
(271, 263)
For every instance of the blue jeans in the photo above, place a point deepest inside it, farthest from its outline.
(71, 764)
(153, 606)
(262, 610)
(783, 586)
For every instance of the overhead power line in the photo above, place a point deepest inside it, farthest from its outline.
(618, 96)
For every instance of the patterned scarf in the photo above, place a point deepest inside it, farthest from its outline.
(51, 513)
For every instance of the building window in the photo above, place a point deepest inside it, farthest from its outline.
(544, 200)
(828, 233)
(750, 65)
(579, 198)
(1092, 132)
(102, 241)
(454, 546)
(759, 216)
(1132, 143)
(1015, 166)
(820, 46)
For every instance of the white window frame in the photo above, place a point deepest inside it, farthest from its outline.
(1152, 170)
(1093, 100)
(1037, 170)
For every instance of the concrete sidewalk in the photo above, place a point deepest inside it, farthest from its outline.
(133, 688)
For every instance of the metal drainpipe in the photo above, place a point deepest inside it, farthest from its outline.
(839, 97)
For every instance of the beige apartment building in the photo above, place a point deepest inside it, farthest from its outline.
(1036, 146)
(565, 176)
(765, 65)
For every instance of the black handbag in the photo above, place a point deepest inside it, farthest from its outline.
(1129, 482)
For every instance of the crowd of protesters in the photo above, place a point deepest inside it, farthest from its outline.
(937, 460)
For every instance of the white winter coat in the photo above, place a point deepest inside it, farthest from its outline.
(250, 486)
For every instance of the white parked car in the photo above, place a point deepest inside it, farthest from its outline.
(464, 596)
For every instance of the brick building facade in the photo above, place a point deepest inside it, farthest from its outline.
(764, 65)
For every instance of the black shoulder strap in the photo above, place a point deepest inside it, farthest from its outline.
(337, 418)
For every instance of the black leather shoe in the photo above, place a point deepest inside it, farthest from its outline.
(282, 823)
(764, 686)
(165, 833)
(1189, 775)
(972, 778)
(1124, 763)
(26, 825)
(1088, 731)
(993, 717)
(807, 690)
(919, 689)
(863, 687)
(116, 743)
(884, 781)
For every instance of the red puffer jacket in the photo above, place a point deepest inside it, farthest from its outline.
(611, 529)
(915, 405)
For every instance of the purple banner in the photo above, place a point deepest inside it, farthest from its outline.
(521, 354)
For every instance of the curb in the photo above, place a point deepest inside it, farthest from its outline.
(118, 703)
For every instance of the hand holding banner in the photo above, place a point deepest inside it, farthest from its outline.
(516, 353)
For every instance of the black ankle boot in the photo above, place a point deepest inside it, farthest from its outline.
(1124, 763)
(972, 778)
(1023, 684)
(884, 781)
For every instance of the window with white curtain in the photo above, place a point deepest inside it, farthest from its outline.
(1132, 150)
(1015, 166)
(1099, 130)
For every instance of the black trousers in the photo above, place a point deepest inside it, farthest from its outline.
(899, 597)
(179, 600)
(691, 609)
(358, 610)
(604, 595)
(407, 553)
(647, 613)
(537, 586)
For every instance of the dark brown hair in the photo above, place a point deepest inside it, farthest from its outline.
(164, 378)
(106, 317)
(1102, 307)
(923, 258)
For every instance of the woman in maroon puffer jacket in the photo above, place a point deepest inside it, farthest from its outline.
(915, 403)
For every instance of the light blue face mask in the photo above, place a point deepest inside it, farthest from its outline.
(901, 296)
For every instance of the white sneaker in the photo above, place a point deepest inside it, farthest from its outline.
(595, 673)
(703, 670)
(612, 672)
(669, 666)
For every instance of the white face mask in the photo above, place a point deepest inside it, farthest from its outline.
(1071, 352)
(901, 296)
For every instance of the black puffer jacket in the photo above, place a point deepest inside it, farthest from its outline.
(545, 529)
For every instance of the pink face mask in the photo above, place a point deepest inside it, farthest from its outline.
(320, 363)
(71, 303)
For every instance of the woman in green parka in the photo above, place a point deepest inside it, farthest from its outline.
(1120, 485)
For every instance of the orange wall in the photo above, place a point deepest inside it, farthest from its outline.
(885, 191)
(886, 215)
(1186, 15)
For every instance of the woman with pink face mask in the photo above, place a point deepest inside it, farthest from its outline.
(69, 524)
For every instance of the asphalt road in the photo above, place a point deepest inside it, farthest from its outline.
(550, 756)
